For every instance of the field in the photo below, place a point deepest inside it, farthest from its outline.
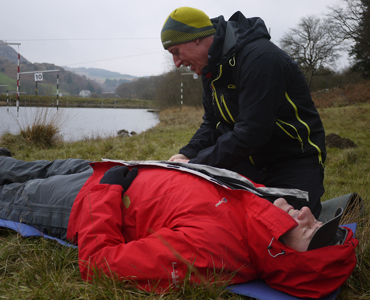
(38, 269)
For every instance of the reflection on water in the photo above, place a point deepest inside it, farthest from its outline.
(79, 123)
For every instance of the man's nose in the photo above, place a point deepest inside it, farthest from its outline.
(177, 61)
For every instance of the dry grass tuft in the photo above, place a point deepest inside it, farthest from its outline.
(43, 130)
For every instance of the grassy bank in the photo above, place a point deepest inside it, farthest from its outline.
(49, 101)
(39, 269)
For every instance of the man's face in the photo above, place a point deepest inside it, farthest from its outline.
(299, 238)
(193, 54)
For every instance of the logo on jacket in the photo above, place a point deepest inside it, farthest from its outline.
(126, 201)
(223, 200)
(174, 274)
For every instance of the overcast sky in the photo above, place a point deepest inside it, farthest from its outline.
(124, 36)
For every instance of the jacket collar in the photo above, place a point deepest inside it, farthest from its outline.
(230, 36)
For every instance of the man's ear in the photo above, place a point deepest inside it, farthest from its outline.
(197, 42)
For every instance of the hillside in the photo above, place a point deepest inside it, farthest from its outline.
(7, 83)
(107, 80)
(340, 96)
(71, 80)
(69, 83)
(10, 54)
(100, 74)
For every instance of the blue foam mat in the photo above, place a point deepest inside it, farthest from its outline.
(29, 231)
(256, 289)
(260, 290)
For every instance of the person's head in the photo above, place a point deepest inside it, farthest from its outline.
(310, 233)
(187, 34)
(309, 274)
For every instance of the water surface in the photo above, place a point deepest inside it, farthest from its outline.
(80, 123)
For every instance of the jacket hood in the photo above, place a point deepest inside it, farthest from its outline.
(310, 274)
(232, 35)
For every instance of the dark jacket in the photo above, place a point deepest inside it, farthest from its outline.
(257, 103)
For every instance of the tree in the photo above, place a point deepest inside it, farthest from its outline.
(361, 49)
(140, 88)
(169, 93)
(314, 44)
(352, 19)
(346, 17)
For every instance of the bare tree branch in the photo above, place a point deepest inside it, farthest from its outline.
(314, 44)
(346, 17)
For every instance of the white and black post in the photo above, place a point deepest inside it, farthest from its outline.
(18, 82)
(182, 95)
(57, 91)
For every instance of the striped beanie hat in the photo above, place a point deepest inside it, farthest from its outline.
(185, 24)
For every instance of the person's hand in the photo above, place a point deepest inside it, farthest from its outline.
(120, 175)
(179, 158)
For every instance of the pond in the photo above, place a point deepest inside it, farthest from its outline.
(79, 123)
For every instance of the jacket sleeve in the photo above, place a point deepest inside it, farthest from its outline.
(102, 246)
(261, 82)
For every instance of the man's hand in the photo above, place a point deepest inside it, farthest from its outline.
(179, 158)
(120, 175)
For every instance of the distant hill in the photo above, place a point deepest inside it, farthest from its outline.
(71, 80)
(10, 54)
(94, 73)
(107, 80)
(69, 83)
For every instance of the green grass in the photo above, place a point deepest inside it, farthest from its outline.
(6, 80)
(348, 170)
(39, 269)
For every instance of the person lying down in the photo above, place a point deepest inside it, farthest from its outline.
(159, 223)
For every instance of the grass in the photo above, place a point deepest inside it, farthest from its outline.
(40, 269)
(347, 171)
(8, 83)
